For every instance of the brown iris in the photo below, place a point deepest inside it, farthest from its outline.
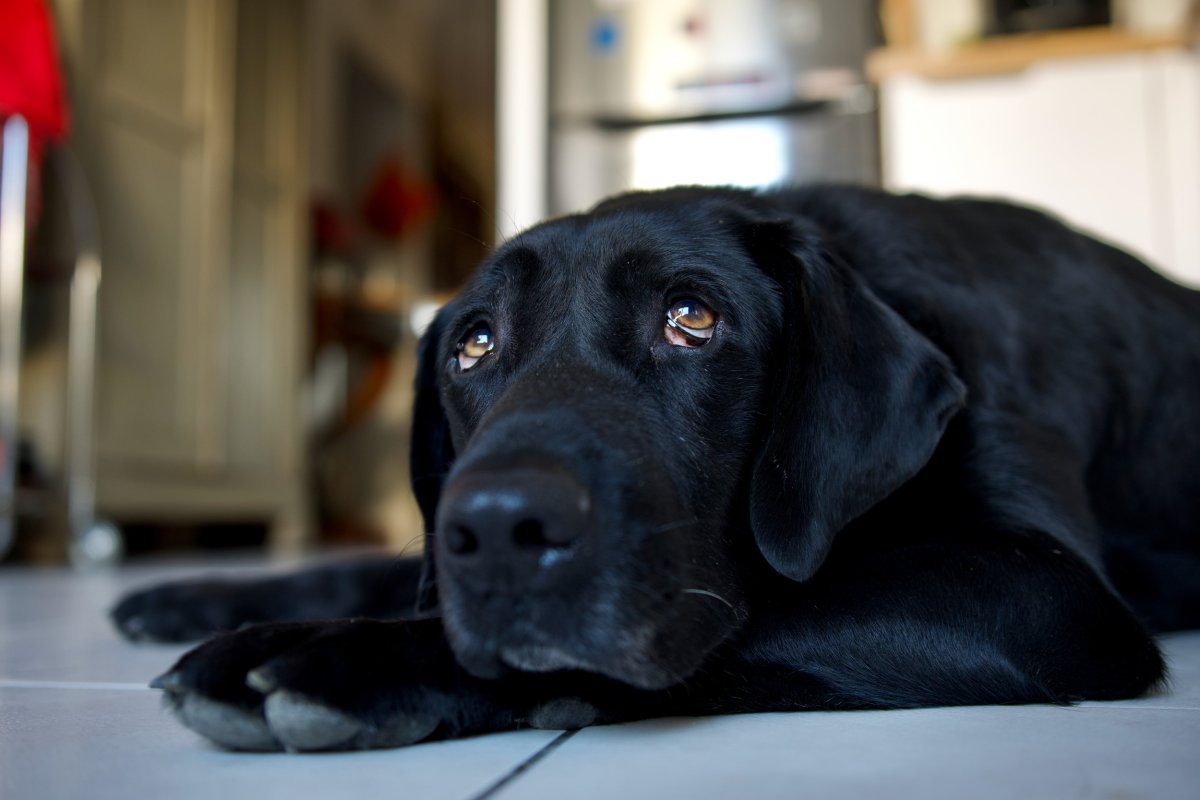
(690, 323)
(475, 345)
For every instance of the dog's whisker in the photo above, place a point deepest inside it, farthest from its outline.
(682, 523)
(713, 595)
(404, 550)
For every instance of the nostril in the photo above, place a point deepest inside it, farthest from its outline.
(461, 540)
(521, 516)
(530, 533)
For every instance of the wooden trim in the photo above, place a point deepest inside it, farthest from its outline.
(899, 20)
(135, 496)
(1008, 54)
(210, 281)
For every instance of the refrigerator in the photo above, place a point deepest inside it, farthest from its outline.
(755, 93)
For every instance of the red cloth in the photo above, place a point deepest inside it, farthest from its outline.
(398, 201)
(30, 82)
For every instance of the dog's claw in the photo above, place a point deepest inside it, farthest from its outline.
(134, 627)
(168, 682)
(261, 680)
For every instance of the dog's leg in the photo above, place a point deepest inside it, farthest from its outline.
(981, 620)
(181, 611)
(355, 684)
(997, 620)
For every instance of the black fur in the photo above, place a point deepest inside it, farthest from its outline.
(936, 453)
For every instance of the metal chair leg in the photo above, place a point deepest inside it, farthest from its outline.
(14, 162)
(94, 542)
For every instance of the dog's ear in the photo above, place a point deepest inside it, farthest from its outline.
(431, 452)
(858, 401)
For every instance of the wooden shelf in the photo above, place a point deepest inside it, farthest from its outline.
(1007, 54)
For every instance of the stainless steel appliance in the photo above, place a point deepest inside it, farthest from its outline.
(651, 93)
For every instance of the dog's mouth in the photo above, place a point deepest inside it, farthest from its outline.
(542, 658)
(650, 652)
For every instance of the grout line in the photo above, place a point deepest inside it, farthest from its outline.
(20, 684)
(524, 765)
(1099, 706)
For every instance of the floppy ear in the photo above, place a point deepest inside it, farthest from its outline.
(859, 401)
(431, 452)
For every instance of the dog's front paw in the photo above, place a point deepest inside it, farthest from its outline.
(317, 686)
(183, 611)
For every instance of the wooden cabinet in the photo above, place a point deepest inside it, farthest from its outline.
(189, 126)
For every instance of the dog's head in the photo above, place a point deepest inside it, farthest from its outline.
(622, 404)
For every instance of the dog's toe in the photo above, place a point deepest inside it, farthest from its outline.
(227, 725)
(133, 627)
(563, 713)
(400, 730)
(301, 723)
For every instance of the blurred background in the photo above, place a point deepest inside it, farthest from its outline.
(278, 194)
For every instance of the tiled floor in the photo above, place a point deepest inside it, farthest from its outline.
(76, 721)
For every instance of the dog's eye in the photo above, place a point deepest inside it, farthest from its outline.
(474, 346)
(689, 324)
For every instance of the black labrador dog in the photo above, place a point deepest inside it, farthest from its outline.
(703, 451)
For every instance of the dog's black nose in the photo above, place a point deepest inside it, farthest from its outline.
(524, 518)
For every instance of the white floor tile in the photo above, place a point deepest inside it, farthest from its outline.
(57, 744)
(54, 622)
(978, 753)
(1135, 748)
(75, 721)
(54, 627)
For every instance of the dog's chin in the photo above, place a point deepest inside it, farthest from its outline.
(633, 666)
(543, 658)
(649, 645)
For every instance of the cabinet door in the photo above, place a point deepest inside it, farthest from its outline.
(156, 128)
(1179, 104)
(263, 325)
(1083, 138)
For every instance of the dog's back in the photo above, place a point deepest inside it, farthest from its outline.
(1097, 353)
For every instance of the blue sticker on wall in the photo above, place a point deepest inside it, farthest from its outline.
(604, 36)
